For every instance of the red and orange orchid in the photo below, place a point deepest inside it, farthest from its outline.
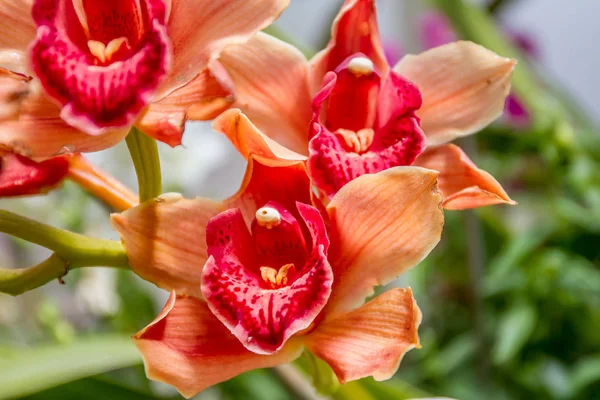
(264, 273)
(100, 67)
(366, 116)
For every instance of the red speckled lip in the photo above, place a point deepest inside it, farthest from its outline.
(362, 124)
(267, 285)
(101, 60)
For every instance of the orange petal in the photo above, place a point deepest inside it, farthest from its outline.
(381, 225)
(354, 30)
(464, 86)
(250, 141)
(462, 184)
(17, 29)
(270, 79)
(165, 240)
(39, 132)
(188, 347)
(201, 29)
(371, 340)
(285, 185)
(203, 98)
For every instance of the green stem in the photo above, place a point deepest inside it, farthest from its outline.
(72, 247)
(19, 281)
(144, 154)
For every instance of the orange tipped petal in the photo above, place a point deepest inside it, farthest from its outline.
(464, 87)
(203, 98)
(284, 185)
(462, 184)
(188, 347)
(371, 340)
(17, 29)
(165, 240)
(354, 30)
(251, 142)
(270, 79)
(201, 29)
(381, 225)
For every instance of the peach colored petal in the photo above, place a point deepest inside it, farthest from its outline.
(286, 185)
(165, 240)
(354, 30)
(187, 346)
(462, 184)
(17, 29)
(381, 225)
(201, 29)
(203, 98)
(464, 86)
(13, 90)
(371, 340)
(39, 132)
(270, 79)
(252, 142)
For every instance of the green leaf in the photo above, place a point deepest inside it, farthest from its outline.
(515, 327)
(144, 154)
(30, 370)
(585, 372)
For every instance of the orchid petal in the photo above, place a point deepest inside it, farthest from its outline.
(98, 94)
(464, 87)
(354, 30)
(381, 225)
(37, 114)
(165, 240)
(462, 184)
(371, 340)
(13, 90)
(284, 185)
(17, 29)
(201, 29)
(187, 346)
(250, 141)
(20, 176)
(270, 79)
(203, 98)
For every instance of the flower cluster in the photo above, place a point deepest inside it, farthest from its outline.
(349, 169)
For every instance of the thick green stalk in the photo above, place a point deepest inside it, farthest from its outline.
(71, 250)
(144, 154)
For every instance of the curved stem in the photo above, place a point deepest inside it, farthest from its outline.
(100, 184)
(21, 280)
(75, 248)
(144, 154)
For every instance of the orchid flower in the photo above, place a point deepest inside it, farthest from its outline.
(99, 67)
(261, 275)
(359, 114)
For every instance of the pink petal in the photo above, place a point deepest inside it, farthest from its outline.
(263, 314)
(381, 225)
(201, 29)
(17, 29)
(270, 80)
(462, 184)
(371, 340)
(165, 240)
(187, 347)
(38, 114)
(203, 98)
(286, 185)
(464, 86)
(20, 176)
(98, 95)
(250, 141)
(354, 30)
